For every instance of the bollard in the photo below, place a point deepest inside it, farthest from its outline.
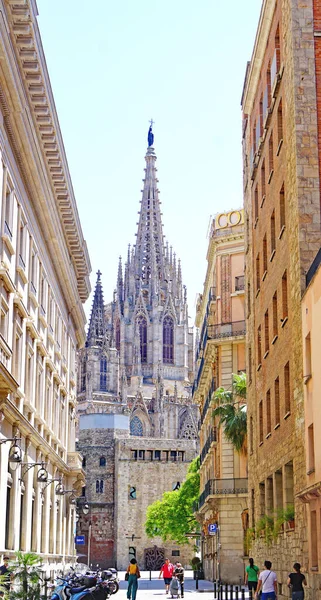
(150, 575)
(221, 590)
(231, 591)
(196, 580)
(226, 591)
(236, 592)
(243, 593)
(215, 590)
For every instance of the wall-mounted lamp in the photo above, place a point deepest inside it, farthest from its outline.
(59, 489)
(15, 452)
(42, 475)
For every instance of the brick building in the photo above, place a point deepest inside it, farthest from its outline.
(281, 148)
(138, 427)
(221, 352)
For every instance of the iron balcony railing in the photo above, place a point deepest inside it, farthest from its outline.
(224, 330)
(208, 400)
(239, 283)
(212, 437)
(223, 487)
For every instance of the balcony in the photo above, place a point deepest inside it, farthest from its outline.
(223, 487)
(239, 283)
(212, 437)
(226, 330)
(208, 401)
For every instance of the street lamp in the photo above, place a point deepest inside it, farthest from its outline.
(59, 489)
(15, 452)
(42, 475)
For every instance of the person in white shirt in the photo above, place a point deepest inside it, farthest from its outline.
(268, 583)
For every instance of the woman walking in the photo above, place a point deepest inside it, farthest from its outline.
(133, 576)
(296, 581)
(251, 575)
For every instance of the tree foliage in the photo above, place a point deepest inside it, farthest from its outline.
(230, 408)
(171, 518)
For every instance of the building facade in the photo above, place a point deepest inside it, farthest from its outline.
(44, 270)
(220, 320)
(281, 146)
(138, 426)
(311, 493)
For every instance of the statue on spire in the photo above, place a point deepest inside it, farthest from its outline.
(150, 136)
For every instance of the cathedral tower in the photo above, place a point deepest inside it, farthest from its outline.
(134, 392)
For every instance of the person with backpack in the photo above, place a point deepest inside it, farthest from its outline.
(251, 575)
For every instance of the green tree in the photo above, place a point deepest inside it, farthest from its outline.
(172, 517)
(230, 408)
(27, 574)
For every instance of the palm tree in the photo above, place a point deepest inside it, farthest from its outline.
(230, 407)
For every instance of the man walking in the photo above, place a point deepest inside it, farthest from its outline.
(179, 572)
(167, 572)
(268, 582)
(5, 571)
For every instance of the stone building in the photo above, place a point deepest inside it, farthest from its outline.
(44, 269)
(281, 117)
(221, 352)
(138, 426)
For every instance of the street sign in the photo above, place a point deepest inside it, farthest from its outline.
(212, 528)
(80, 540)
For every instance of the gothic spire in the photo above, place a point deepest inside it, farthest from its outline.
(96, 329)
(149, 248)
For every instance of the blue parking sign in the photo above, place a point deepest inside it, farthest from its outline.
(212, 528)
(80, 540)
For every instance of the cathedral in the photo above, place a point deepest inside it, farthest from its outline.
(138, 427)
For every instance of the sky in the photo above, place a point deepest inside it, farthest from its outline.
(113, 66)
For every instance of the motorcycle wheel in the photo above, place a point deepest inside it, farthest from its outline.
(113, 587)
(96, 595)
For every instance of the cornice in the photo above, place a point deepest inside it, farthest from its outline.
(31, 117)
(254, 67)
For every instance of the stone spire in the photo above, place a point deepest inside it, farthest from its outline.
(149, 247)
(96, 329)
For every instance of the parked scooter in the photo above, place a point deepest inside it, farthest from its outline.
(91, 589)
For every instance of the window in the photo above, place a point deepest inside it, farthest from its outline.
(102, 461)
(271, 157)
(260, 422)
(256, 205)
(284, 296)
(268, 412)
(168, 340)
(266, 332)
(157, 455)
(99, 486)
(287, 405)
(308, 364)
(258, 282)
(34, 273)
(132, 493)
(277, 401)
(311, 458)
(250, 364)
(141, 323)
(176, 485)
(117, 335)
(263, 181)
(275, 315)
(136, 427)
(280, 126)
(259, 350)
(273, 244)
(103, 375)
(282, 210)
(175, 553)
(251, 435)
(173, 455)
(248, 298)
(84, 461)
(265, 263)
(83, 376)
(22, 243)
(8, 215)
(314, 539)
(83, 491)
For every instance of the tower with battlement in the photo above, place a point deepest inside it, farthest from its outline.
(138, 427)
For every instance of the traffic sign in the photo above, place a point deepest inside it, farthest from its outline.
(212, 528)
(80, 540)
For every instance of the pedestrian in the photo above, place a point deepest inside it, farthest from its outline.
(5, 571)
(179, 572)
(295, 581)
(174, 587)
(167, 572)
(133, 576)
(251, 575)
(268, 583)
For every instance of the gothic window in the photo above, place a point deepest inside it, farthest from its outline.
(83, 376)
(102, 461)
(99, 486)
(136, 427)
(84, 461)
(117, 335)
(168, 340)
(103, 375)
(141, 323)
(132, 493)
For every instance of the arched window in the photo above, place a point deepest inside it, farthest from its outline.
(102, 461)
(168, 340)
(103, 375)
(117, 335)
(84, 461)
(141, 323)
(99, 486)
(83, 373)
(136, 427)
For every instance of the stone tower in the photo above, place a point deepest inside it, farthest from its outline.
(137, 424)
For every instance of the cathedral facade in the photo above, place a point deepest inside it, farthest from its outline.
(138, 427)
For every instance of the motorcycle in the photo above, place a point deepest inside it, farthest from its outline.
(111, 577)
(70, 589)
